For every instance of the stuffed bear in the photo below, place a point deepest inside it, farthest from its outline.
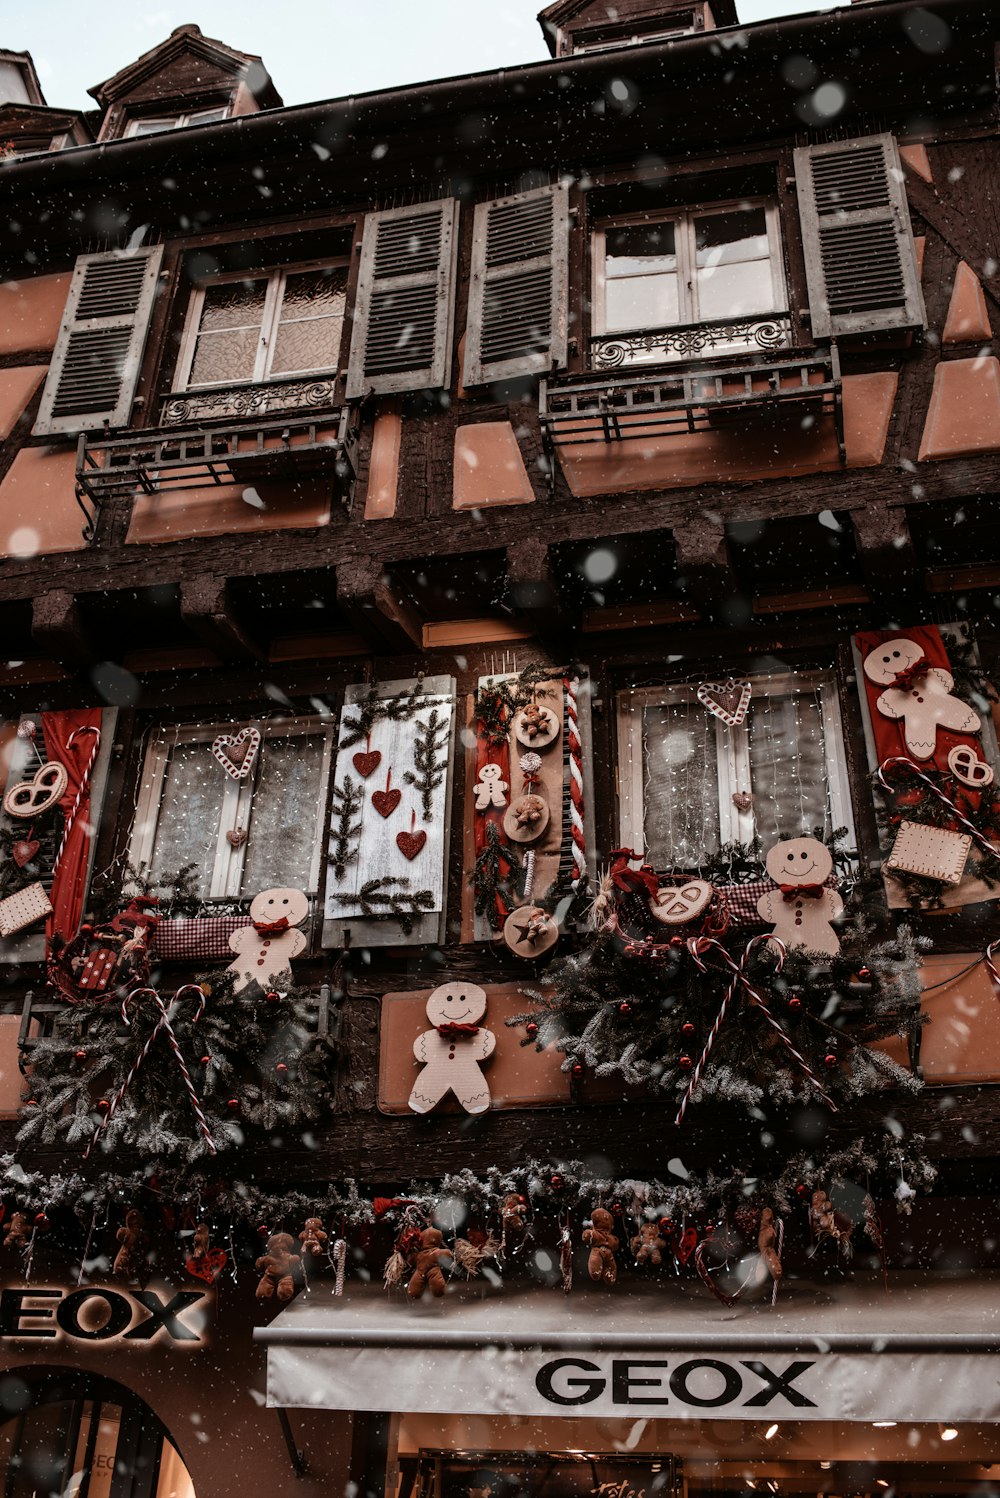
(427, 1273)
(647, 1245)
(826, 1222)
(918, 695)
(803, 905)
(130, 1260)
(264, 950)
(513, 1219)
(312, 1238)
(279, 1268)
(18, 1231)
(601, 1264)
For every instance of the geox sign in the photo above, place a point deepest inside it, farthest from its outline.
(699, 1383)
(98, 1314)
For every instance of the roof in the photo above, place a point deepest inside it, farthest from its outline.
(188, 38)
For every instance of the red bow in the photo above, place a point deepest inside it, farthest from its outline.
(904, 679)
(450, 1030)
(790, 892)
(271, 928)
(641, 881)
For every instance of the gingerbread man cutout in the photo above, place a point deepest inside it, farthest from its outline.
(264, 951)
(490, 788)
(452, 1050)
(802, 906)
(917, 694)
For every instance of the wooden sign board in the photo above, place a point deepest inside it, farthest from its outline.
(519, 1076)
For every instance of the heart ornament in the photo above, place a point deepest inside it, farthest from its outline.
(236, 837)
(385, 802)
(236, 752)
(742, 800)
(207, 1266)
(24, 850)
(678, 904)
(366, 762)
(34, 797)
(409, 843)
(732, 1289)
(727, 700)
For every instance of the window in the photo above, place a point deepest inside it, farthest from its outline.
(250, 328)
(680, 768)
(713, 274)
(150, 126)
(601, 41)
(188, 805)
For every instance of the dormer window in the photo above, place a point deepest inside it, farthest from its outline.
(681, 24)
(156, 125)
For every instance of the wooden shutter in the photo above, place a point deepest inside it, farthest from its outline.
(861, 263)
(404, 307)
(363, 851)
(518, 290)
(95, 364)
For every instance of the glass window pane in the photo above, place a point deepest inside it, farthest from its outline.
(680, 785)
(641, 287)
(221, 357)
(722, 238)
(310, 323)
(735, 290)
(187, 830)
(788, 765)
(150, 127)
(233, 304)
(284, 814)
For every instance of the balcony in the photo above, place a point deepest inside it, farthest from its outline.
(667, 381)
(244, 450)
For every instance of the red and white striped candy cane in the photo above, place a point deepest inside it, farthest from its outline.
(163, 1023)
(571, 686)
(978, 837)
(697, 945)
(88, 770)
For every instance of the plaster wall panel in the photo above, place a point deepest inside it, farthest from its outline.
(755, 450)
(38, 508)
(964, 413)
(31, 311)
(174, 514)
(968, 320)
(917, 158)
(17, 386)
(489, 468)
(961, 1044)
(383, 469)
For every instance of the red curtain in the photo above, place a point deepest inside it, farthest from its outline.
(69, 885)
(888, 733)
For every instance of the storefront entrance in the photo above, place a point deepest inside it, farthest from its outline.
(77, 1436)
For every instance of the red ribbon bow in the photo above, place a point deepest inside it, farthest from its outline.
(271, 928)
(641, 881)
(904, 679)
(790, 892)
(449, 1030)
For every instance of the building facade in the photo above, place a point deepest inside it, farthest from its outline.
(500, 833)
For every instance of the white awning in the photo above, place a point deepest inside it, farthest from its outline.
(926, 1350)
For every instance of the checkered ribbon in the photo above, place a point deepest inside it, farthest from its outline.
(742, 899)
(198, 939)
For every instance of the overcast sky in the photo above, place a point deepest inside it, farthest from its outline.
(314, 49)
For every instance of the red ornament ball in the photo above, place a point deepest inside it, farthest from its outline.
(685, 1063)
(273, 996)
(625, 1007)
(831, 1059)
(688, 1027)
(577, 1069)
(864, 973)
(263, 1230)
(801, 1190)
(104, 1106)
(233, 1105)
(531, 1030)
(81, 1055)
(795, 1002)
(666, 1226)
(556, 1182)
(31, 1102)
(205, 1060)
(41, 1221)
(281, 1068)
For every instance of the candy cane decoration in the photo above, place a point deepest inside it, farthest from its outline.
(88, 770)
(339, 1257)
(571, 686)
(697, 945)
(163, 1023)
(970, 827)
(779, 1246)
(991, 965)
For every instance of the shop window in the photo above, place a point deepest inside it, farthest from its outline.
(684, 775)
(701, 281)
(245, 329)
(241, 835)
(158, 124)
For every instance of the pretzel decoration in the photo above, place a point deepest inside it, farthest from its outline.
(33, 798)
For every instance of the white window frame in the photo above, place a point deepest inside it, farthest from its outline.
(732, 747)
(683, 220)
(638, 38)
(212, 115)
(276, 278)
(227, 872)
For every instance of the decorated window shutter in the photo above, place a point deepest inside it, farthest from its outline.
(861, 262)
(387, 874)
(95, 364)
(404, 307)
(518, 291)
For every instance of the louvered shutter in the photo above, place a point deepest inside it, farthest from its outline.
(95, 364)
(404, 308)
(861, 263)
(518, 289)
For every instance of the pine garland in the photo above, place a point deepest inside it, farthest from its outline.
(496, 703)
(390, 895)
(497, 879)
(429, 759)
(399, 708)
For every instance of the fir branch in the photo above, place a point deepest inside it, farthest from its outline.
(429, 758)
(390, 896)
(347, 801)
(399, 708)
(497, 879)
